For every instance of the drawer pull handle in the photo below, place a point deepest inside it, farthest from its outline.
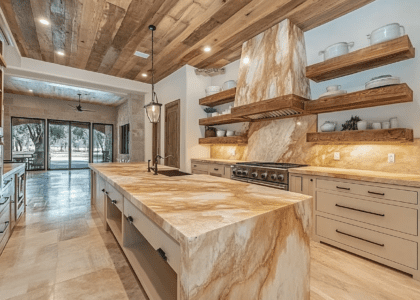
(5, 227)
(359, 238)
(130, 220)
(114, 202)
(363, 211)
(103, 190)
(162, 254)
(380, 194)
(216, 169)
(195, 166)
(343, 188)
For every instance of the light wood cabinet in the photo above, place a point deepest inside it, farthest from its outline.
(98, 196)
(373, 220)
(210, 168)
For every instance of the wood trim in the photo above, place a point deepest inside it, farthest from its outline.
(167, 106)
(222, 119)
(228, 140)
(361, 60)
(394, 94)
(379, 135)
(219, 98)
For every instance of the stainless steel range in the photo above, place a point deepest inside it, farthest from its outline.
(269, 174)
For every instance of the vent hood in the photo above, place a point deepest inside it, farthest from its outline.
(276, 108)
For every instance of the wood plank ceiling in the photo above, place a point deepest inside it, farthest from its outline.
(102, 35)
(37, 88)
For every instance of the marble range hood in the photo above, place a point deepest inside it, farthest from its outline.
(273, 83)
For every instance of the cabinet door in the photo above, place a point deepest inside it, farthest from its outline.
(100, 196)
(302, 184)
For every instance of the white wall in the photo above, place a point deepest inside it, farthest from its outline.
(232, 73)
(354, 27)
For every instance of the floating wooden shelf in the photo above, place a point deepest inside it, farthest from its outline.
(277, 108)
(380, 135)
(361, 60)
(393, 94)
(219, 98)
(222, 119)
(227, 140)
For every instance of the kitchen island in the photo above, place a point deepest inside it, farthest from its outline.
(203, 237)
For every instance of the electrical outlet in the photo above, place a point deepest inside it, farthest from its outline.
(336, 155)
(391, 158)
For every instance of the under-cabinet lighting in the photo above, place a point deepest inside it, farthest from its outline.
(60, 53)
(207, 49)
(141, 54)
(45, 22)
(31, 91)
(246, 60)
(144, 75)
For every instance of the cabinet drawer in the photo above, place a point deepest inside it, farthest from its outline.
(198, 171)
(4, 203)
(158, 238)
(394, 193)
(228, 172)
(389, 247)
(4, 237)
(200, 166)
(393, 217)
(4, 222)
(116, 197)
(216, 170)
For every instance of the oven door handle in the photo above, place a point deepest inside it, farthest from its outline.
(5, 227)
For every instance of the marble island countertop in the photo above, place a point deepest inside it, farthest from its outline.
(189, 206)
(363, 175)
(12, 167)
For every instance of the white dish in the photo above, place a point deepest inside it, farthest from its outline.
(386, 33)
(362, 125)
(336, 50)
(332, 94)
(230, 133)
(376, 125)
(220, 133)
(328, 126)
(381, 81)
(230, 84)
(215, 114)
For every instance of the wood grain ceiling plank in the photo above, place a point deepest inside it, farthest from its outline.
(91, 16)
(76, 20)
(124, 4)
(7, 9)
(59, 29)
(41, 10)
(25, 20)
(135, 15)
(112, 17)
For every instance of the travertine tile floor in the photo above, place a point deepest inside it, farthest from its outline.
(60, 250)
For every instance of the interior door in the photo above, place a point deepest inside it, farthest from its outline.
(173, 133)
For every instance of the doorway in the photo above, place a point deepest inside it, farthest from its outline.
(68, 145)
(173, 133)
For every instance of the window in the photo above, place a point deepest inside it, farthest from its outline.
(125, 139)
(28, 142)
(102, 143)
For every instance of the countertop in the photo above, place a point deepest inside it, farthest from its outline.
(363, 175)
(216, 161)
(189, 206)
(12, 167)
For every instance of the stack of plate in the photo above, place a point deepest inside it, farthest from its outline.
(211, 90)
(381, 81)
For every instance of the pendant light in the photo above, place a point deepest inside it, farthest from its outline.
(153, 108)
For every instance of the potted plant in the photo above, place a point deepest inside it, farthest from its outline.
(209, 111)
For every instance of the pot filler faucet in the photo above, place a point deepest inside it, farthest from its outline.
(155, 168)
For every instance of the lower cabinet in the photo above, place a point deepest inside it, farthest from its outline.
(218, 170)
(373, 220)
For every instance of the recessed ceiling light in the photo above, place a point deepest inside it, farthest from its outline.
(144, 75)
(141, 54)
(207, 49)
(31, 91)
(45, 22)
(60, 53)
(246, 60)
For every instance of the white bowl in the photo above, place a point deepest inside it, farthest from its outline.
(230, 84)
(380, 81)
(220, 133)
(362, 125)
(230, 133)
(386, 33)
(215, 114)
(336, 50)
(213, 88)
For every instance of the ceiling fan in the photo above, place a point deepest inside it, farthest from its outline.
(79, 107)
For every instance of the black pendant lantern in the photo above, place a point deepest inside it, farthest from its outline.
(153, 109)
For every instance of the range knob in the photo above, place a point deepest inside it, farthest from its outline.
(245, 173)
(273, 176)
(281, 177)
(254, 174)
(264, 176)
(239, 172)
(234, 171)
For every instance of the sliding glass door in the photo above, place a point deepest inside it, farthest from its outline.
(102, 143)
(68, 145)
(28, 142)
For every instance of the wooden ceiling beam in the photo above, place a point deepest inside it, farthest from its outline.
(7, 9)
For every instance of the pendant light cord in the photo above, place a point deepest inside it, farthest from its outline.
(153, 69)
